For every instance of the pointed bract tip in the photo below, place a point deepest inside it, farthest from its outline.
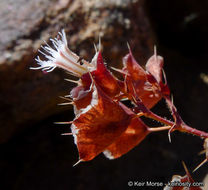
(164, 76)
(99, 62)
(202, 163)
(100, 45)
(95, 48)
(73, 81)
(68, 96)
(66, 103)
(186, 169)
(129, 48)
(119, 71)
(63, 122)
(155, 50)
(202, 152)
(77, 163)
(155, 53)
(65, 98)
(65, 134)
(172, 99)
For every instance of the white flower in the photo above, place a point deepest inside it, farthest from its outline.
(61, 56)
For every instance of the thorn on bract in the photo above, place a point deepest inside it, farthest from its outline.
(155, 50)
(77, 162)
(95, 48)
(66, 134)
(64, 122)
(202, 163)
(66, 103)
(100, 45)
(164, 76)
(68, 96)
(172, 99)
(119, 71)
(202, 152)
(73, 81)
(62, 97)
(128, 46)
(185, 168)
(71, 73)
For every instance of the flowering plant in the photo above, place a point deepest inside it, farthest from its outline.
(103, 123)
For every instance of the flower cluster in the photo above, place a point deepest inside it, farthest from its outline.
(103, 123)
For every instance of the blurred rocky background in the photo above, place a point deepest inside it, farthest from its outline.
(34, 155)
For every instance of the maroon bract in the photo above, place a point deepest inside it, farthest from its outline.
(148, 84)
(103, 78)
(130, 138)
(99, 124)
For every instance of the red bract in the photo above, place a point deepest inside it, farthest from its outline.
(147, 85)
(99, 124)
(131, 137)
(147, 88)
(103, 78)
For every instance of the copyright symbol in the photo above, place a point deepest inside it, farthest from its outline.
(130, 183)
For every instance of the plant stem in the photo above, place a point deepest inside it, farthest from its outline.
(158, 118)
(193, 131)
(183, 127)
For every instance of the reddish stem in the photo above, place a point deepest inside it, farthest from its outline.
(183, 127)
(193, 131)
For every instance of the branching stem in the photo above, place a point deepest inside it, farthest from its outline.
(183, 128)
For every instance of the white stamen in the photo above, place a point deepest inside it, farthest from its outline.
(59, 55)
